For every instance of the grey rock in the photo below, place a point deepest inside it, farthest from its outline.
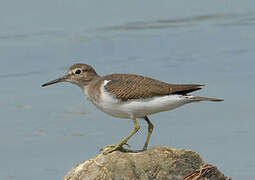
(158, 163)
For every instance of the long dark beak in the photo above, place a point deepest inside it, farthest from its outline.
(61, 79)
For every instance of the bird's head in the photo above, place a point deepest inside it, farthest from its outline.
(79, 74)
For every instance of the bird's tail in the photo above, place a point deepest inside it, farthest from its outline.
(198, 98)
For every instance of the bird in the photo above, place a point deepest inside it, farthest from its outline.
(130, 96)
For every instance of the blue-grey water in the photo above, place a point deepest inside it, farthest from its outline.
(44, 132)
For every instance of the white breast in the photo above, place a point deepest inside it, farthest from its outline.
(138, 108)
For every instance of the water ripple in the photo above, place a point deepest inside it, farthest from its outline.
(231, 19)
(215, 19)
(4, 76)
(22, 36)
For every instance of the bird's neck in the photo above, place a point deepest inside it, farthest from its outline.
(90, 86)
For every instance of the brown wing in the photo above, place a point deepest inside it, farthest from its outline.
(128, 86)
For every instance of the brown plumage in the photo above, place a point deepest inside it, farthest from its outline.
(129, 86)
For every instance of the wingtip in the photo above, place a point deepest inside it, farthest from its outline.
(218, 100)
(198, 98)
(215, 99)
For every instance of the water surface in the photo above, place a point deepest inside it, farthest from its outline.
(46, 131)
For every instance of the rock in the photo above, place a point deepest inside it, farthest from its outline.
(160, 163)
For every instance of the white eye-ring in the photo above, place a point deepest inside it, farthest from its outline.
(77, 71)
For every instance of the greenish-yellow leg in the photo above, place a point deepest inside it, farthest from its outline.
(114, 147)
(150, 129)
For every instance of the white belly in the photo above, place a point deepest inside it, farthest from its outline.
(141, 108)
(138, 108)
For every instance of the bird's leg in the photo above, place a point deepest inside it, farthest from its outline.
(114, 147)
(150, 129)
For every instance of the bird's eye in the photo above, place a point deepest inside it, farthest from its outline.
(78, 71)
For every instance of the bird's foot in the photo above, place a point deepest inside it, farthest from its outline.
(118, 147)
(145, 147)
(110, 148)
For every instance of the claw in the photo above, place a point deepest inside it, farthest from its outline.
(110, 148)
(127, 145)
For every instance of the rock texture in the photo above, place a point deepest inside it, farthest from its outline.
(159, 163)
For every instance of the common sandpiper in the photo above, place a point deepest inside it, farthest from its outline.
(130, 96)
